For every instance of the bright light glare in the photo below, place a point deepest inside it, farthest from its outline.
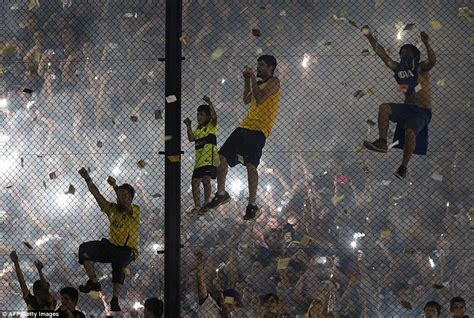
(46, 238)
(157, 247)
(3, 103)
(29, 104)
(236, 186)
(305, 60)
(432, 264)
(358, 235)
(399, 35)
(279, 209)
(137, 305)
(353, 244)
(223, 81)
(6, 163)
(268, 187)
(447, 204)
(116, 171)
(63, 200)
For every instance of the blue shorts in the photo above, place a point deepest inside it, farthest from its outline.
(243, 146)
(412, 117)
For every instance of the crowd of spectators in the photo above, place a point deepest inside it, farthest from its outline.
(82, 85)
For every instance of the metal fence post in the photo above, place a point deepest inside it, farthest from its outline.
(173, 159)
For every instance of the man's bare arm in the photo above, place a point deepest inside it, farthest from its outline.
(260, 95)
(93, 189)
(202, 288)
(428, 64)
(379, 50)
(19, 274)
(247, 97)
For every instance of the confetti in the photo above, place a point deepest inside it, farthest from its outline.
(359, 94)
(21, 162)
(353, 23)
(342, 180)
(269, 41)
(171, 99)
(288, 237)
(370, 92)
(327, 43)
(377, 3)
(9, 187)
(365, 51)
(184, 39)
(27, 90)
(365, 30)
(52, 175)
(122, 137)
(168, 138)
(134, 118)
(156, 195)
(71, 190)
(228, 300)
(436, 176)
(359, 148)
(28, 245)
(258, 51)
(282, 13)
(279, 26)
(437, 286)
(283, 263)
(340, 14)
(158, 114)
(384, 234)
(141, 164)
(440, 82)
(217, 54)
(336, 199)
(262, 7)
(405, 304)
(306, 240)
(436, 25)
(243, 10)
(393, 144)
(408, 26)
(471, 39)
(465, 12)
(44, 185)
(99, 144)
(370, 122)
(256, 32)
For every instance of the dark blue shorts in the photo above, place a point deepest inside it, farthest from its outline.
(243, 146)
(205, 171)
(410, 116)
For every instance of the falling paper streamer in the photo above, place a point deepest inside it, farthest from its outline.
(217, 54)
(171, 99)
(243, 10)
(306, 240)
(359, 93)
(283, 263)
(436, 176)
(408, 26)
(393, 144)
(52, 175)
(156, 195)
(184, 39)
(336, 199)
(28, 245)
(256, 32)
(71, 190)
(44, 185)
(436, 25)
(384, 234)
(141, 164)
(406, 304)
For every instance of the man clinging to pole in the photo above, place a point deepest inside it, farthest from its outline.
(413, 116)
(246, 143)
(122, 246)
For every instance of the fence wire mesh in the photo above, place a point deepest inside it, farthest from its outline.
(338, 236)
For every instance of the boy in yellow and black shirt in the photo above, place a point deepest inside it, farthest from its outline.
(122, 246)
(206, 158)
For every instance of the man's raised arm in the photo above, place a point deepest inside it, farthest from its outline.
(103, 203)
(431, 61)
(201, 279)
(379, 50)
(19, 274)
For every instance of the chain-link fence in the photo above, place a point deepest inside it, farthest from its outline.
(338, 235)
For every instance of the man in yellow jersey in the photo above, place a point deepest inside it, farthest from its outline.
(245, 144)
(122, 246)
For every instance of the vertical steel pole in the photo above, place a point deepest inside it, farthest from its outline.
(172, 158)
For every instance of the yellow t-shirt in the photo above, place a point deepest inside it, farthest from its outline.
(261, 117)
(205, 144)
(124, 228)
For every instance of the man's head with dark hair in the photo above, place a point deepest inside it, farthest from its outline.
(153, 308)
(266, 65)
(432, 309)
(125, 194)
(69, 297)
(203, 114)
(457, 306)
(270, 303)
(410, 51)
